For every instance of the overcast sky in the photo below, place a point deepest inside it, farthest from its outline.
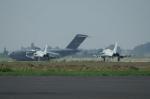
(55, 22)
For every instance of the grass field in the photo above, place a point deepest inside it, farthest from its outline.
(74, 68)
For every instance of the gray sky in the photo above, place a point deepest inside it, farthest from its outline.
(55, 22)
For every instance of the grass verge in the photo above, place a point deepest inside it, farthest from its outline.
(85, 68)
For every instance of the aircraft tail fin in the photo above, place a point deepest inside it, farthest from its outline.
(77, 40)
(115, 48)
(45, 49)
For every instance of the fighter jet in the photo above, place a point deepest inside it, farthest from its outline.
(40, 54)
(108, 53)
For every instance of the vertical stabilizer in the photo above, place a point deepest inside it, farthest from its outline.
(115, 48)
(77, 40)
(45, 49)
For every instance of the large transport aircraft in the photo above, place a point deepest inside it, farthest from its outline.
(33, 55)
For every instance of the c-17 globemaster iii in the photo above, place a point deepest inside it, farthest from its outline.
(45, 54)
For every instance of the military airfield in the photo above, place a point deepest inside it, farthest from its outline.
(74, 49)
(106, 77)
(73, 78)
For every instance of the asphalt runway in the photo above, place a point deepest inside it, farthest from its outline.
(74, 87)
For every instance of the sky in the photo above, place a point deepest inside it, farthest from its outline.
(56, 22)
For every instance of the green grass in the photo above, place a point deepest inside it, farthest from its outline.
(74, 68)
(76, 73)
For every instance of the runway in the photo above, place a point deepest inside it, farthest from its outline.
(74, 87)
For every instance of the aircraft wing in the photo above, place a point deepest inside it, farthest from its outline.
(30, 53)
(124, 56)
(52, 54)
